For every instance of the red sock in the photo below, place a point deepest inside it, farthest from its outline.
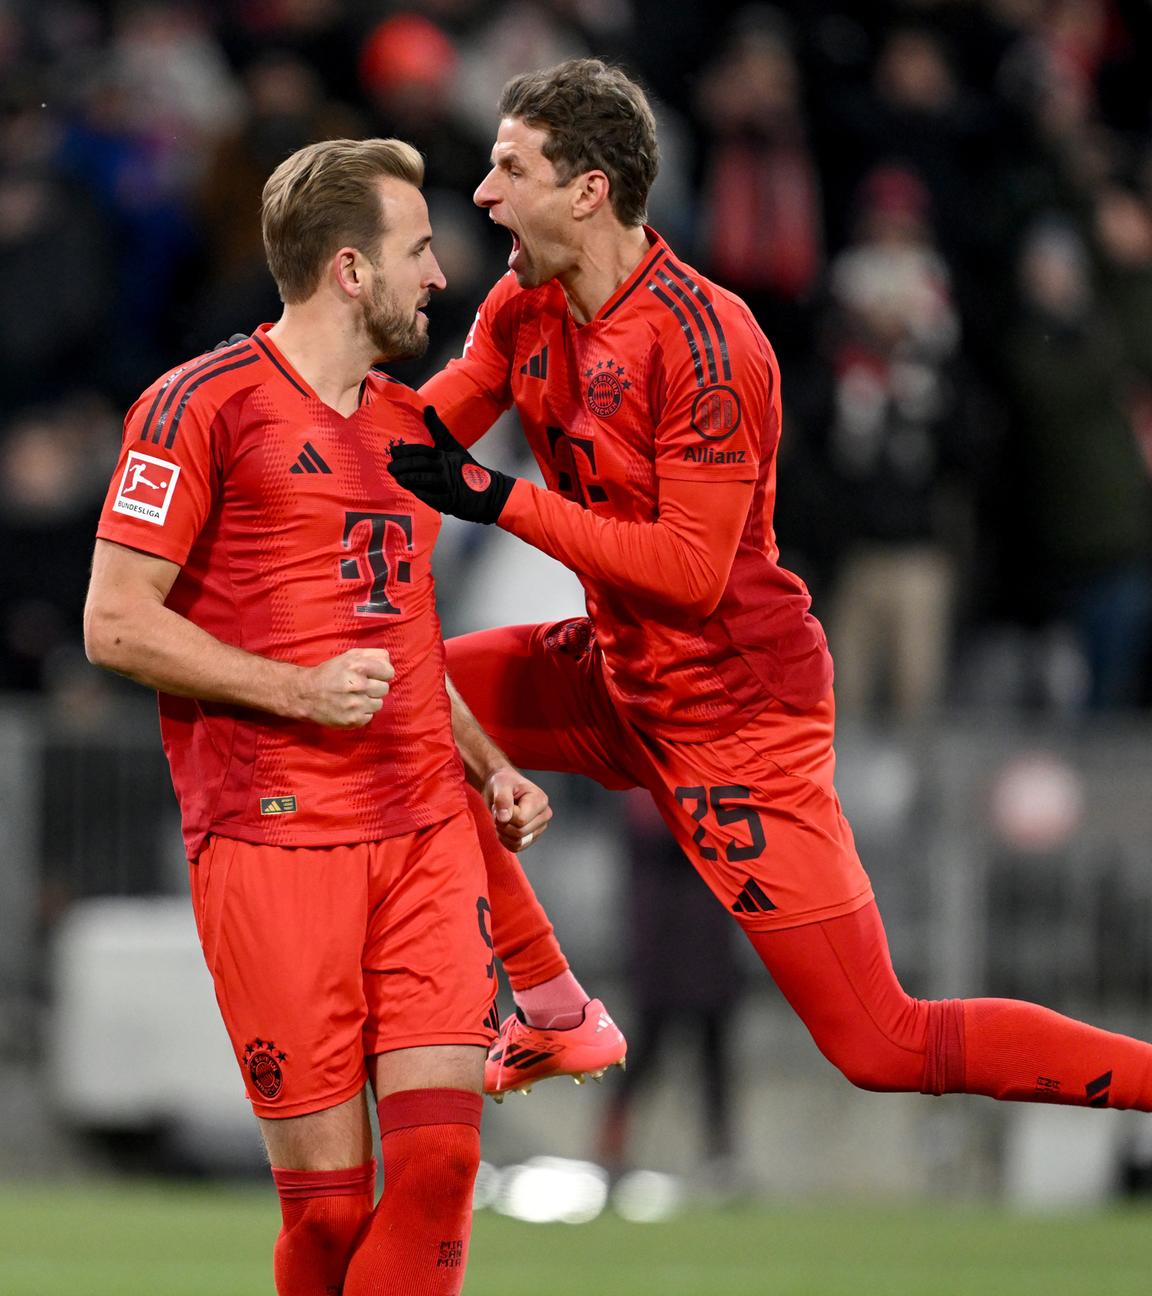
(1020, 1050)
(838, 977)
(417, 1242)
(522, 934)
(323, 1213)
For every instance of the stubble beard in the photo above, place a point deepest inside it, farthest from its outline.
(395, 335)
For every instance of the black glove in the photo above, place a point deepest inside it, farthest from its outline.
(446, 476)
(236, 337)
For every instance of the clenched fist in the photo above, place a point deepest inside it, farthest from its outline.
(345, 692)
(520, 808)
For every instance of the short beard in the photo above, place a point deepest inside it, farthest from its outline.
(395, 336)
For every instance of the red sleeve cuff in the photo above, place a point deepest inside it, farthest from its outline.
(518, 507)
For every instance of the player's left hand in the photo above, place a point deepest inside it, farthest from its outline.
(520, 809)
(445, 476)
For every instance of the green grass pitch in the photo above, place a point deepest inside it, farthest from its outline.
(165, 1241)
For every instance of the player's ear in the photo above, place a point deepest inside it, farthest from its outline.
(591, 194)
(347, 268)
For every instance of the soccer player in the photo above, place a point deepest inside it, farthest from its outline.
(258, 566)
(651, 401)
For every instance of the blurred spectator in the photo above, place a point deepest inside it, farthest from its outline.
(323, 34)
(285, 109)
(53, 461)
(148, 117)
(1123, 229)
(55, 286)
(915, 114)
(511, 38)
(761, 229)
(1088, 496)
(408, 69)
(886, 448)
(178, 85)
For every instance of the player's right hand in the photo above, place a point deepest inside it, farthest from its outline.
(520, 808)
(345, 692)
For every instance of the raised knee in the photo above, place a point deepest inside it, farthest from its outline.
(877, 1067)
(881, 1053)
(877, 1076)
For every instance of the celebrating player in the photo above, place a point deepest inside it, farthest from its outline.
(651, 401)
(259, 567)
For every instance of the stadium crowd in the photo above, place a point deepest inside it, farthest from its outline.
(939, 210)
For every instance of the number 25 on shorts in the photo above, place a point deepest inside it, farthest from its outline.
(720, 801)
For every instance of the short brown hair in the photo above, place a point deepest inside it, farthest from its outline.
(597, 119)
(324, 196)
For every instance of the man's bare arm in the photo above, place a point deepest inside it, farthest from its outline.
(129, 630)
(519, 808)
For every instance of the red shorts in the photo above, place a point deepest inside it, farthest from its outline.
(754, 810)
(324, 956)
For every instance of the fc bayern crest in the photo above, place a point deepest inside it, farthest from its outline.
(605, 390)
(265, 1068)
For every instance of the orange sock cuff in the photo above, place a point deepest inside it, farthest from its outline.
(293, 1185)
(429, 1107)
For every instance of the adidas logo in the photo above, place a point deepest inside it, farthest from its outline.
(309, 461)
(1097, 1091)
(604, 1022)
(278, 805)
(752, 900)
(520, 1057)
(536, 366)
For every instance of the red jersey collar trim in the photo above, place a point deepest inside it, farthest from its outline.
(265, 344)
(279, 361)
(657, 250)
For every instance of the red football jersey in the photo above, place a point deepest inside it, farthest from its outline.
(672, 379)
(295, 543)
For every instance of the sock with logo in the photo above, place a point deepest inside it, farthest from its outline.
(1023, 1051)
(838, 977)
(525, 942)
(323, 1214)
(417, 1241)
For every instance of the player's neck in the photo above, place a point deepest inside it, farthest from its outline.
(331, 358)
(607, 259)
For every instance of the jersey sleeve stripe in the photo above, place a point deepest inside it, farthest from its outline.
(639, 280)
(204, 377)
(687, 328)
(179, 377)
(673, 286)
(268, 352)
(694, 288)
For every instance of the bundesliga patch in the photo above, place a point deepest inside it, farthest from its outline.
(277, 805)
(146, 487)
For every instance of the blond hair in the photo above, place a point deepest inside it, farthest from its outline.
(323, 197)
